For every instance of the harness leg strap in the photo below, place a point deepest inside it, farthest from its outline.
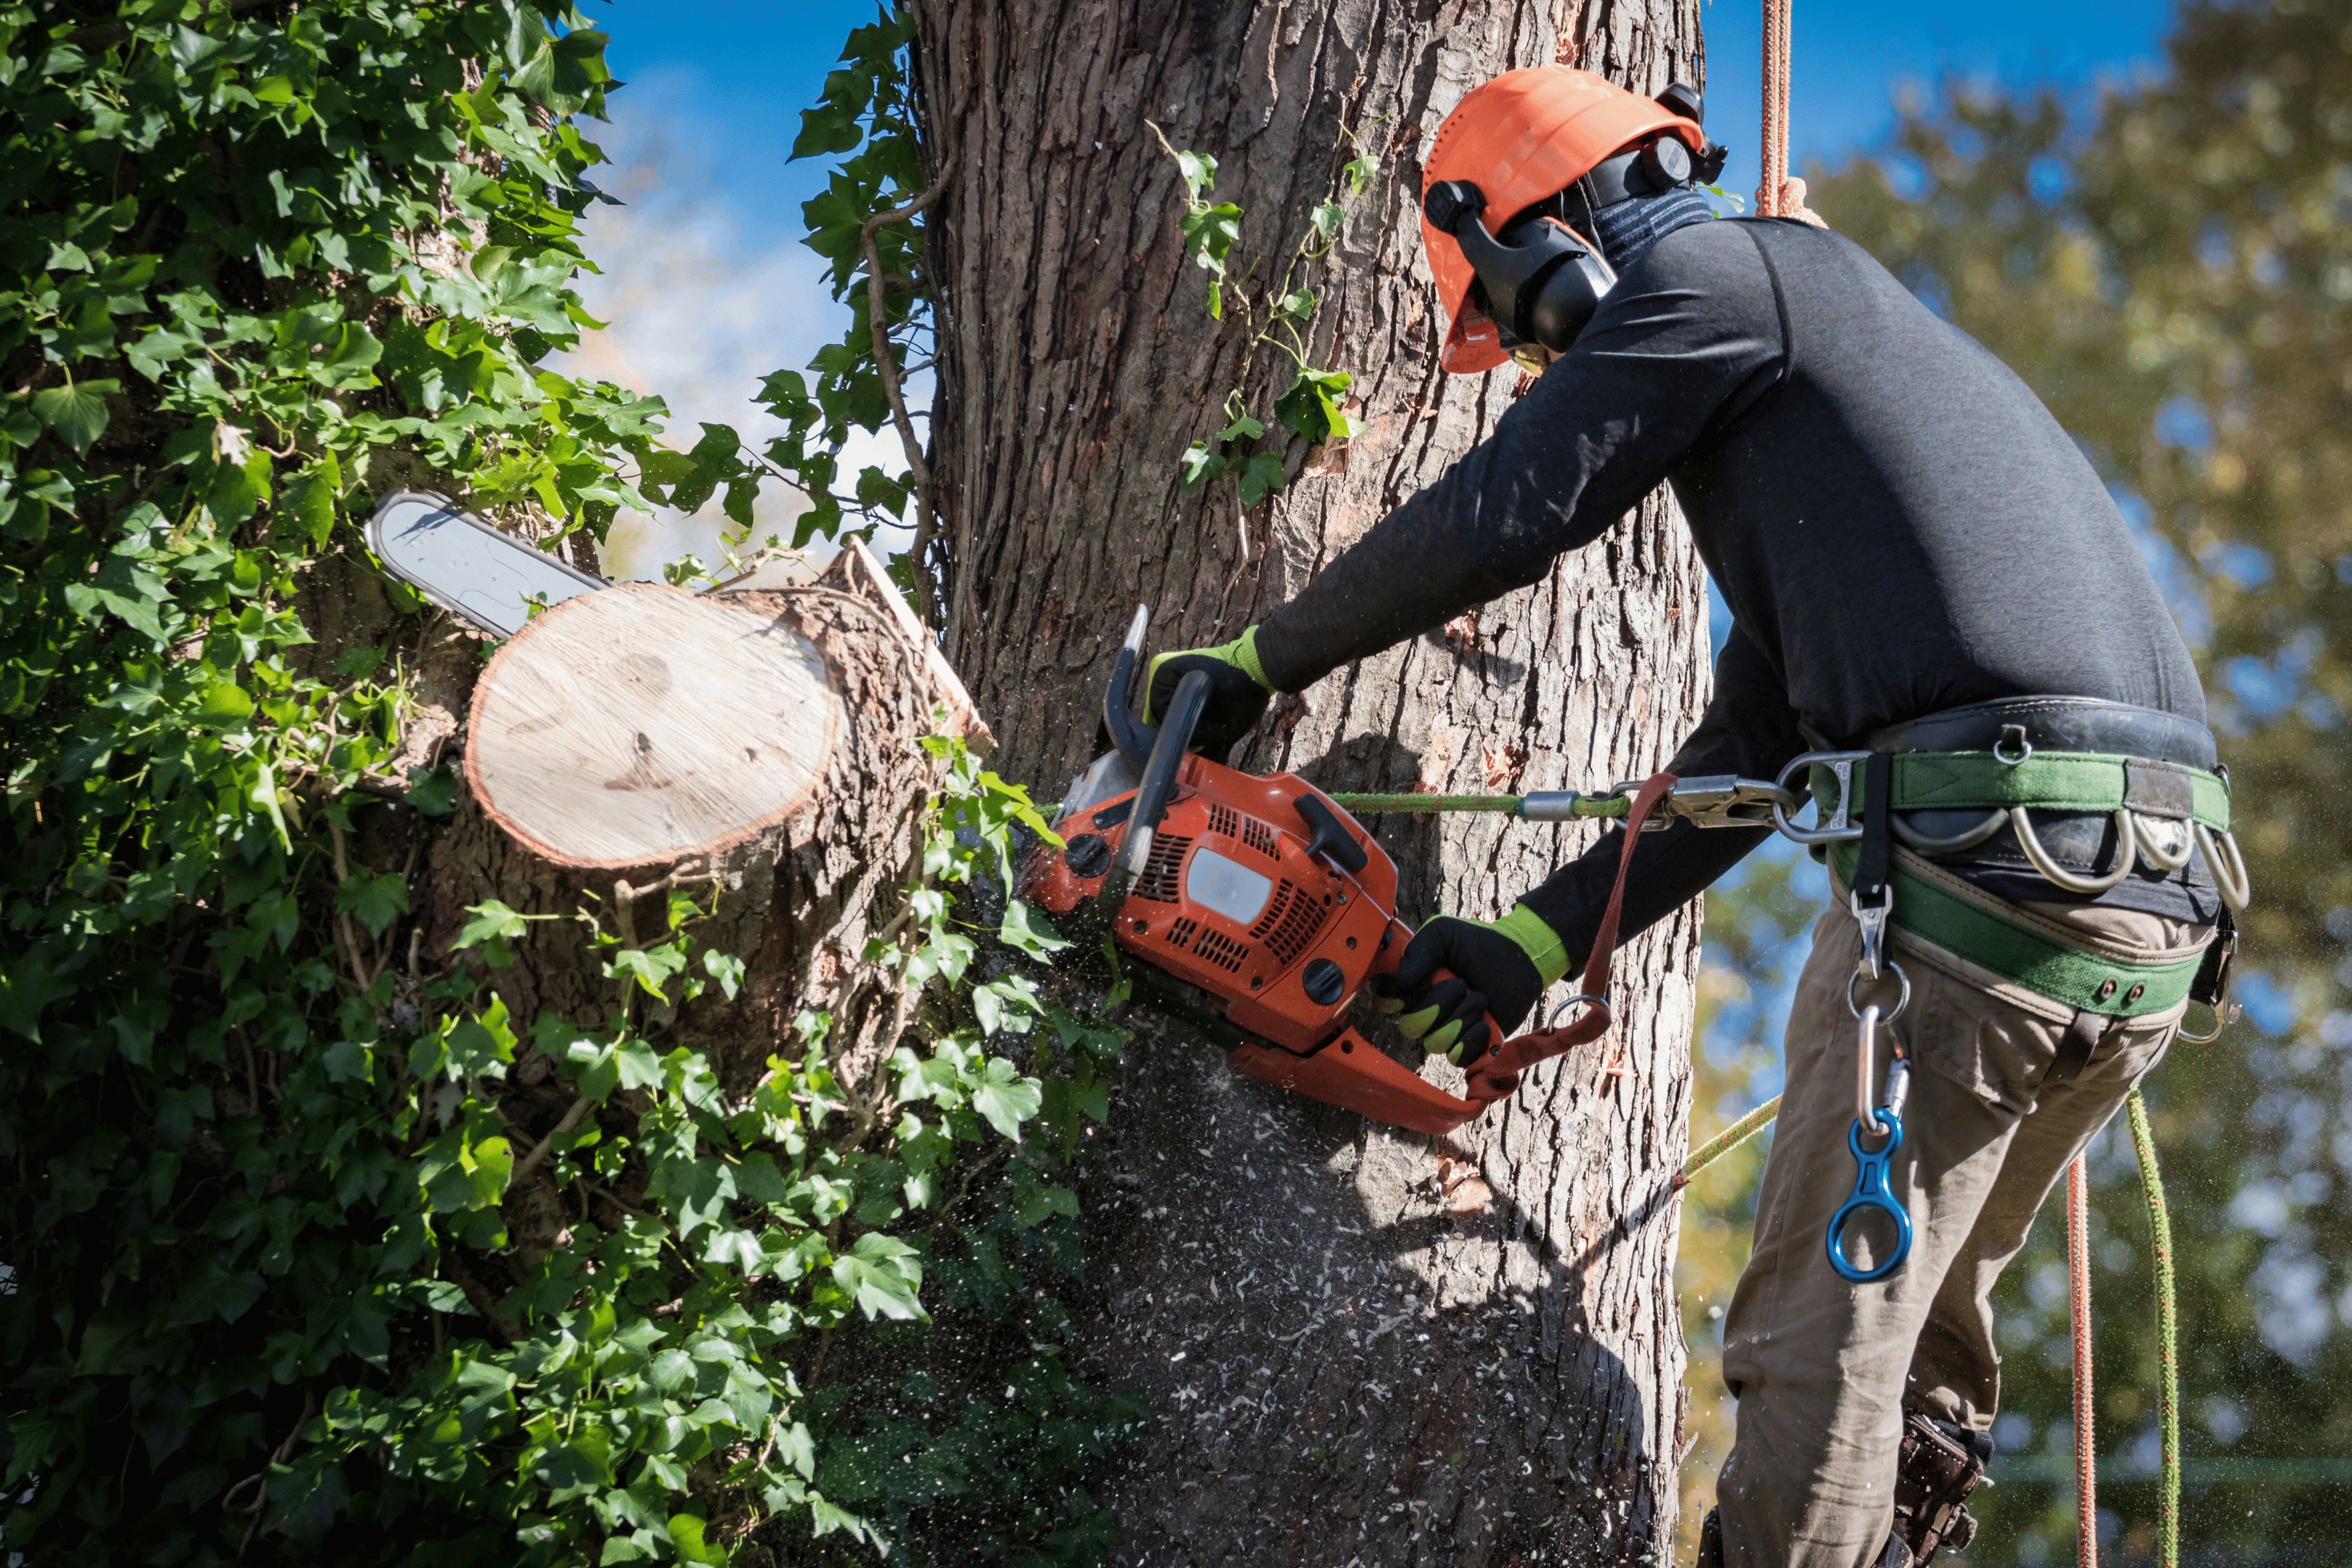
(2075, 1048)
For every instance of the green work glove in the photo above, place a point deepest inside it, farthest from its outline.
(1500, 968)
(1238, 690)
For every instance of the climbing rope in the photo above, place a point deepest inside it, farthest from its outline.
(1773, 155)
(2159, 1224)
(2078, 1279)
(1778, 194)
(1730, 1138)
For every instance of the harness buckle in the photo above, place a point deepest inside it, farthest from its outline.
(1873, 919)
(1833, 825)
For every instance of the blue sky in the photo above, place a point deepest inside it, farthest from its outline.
(708, 289)
(733, 77)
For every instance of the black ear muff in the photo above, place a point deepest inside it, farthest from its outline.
(1543, 282)
(1568, 297)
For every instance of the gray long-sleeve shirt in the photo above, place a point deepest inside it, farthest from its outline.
(1897, 523)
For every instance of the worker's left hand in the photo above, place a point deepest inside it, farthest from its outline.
(1500, 968)
(1238, 690)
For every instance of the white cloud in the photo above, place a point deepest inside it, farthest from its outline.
(698, 314)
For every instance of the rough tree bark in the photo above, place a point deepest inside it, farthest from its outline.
(1359, 1345)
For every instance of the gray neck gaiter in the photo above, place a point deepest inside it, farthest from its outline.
(1632, 226)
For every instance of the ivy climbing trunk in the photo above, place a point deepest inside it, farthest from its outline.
(1358, 1345)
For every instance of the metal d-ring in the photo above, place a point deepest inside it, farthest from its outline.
(2159, 860)
(2126, 851)
(2025, 747)
(2224, 1015)
(1967, 839)
(1902, 997)
(1573, 1000)
(2230, 880)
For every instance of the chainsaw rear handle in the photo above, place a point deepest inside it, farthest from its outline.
(1495, 1035)
(1159, 781)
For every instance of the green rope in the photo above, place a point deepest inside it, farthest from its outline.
(1732, 1137)
(1418, 805)
(2160, 1223)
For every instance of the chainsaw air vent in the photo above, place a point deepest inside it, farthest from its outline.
(1289, 923)
(1182, 931)
(1221, 949)
(1159, 882)
(1252, 833)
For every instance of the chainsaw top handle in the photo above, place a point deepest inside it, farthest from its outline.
(1158, 781)
(1136, 741)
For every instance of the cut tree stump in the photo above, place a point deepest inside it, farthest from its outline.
(762, 741)
(642, 724)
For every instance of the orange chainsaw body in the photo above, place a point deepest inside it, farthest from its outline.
(1232, 900)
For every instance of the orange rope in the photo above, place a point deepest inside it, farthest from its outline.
(1774, 152)
(2078, 1268)
(1777, 195)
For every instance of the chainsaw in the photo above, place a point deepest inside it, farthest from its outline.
(1270, 898)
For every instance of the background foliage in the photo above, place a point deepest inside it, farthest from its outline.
(2171, 269)
(264, 1290)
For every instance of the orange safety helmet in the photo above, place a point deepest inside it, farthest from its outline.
(1521, 138)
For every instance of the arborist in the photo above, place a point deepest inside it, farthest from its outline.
(1933, 595)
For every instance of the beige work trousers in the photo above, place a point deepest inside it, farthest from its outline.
(1822, 1369)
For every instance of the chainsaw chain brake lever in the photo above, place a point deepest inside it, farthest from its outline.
(1136, 741)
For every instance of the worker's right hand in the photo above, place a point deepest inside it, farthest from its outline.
(1238, 690)
(1500, 968)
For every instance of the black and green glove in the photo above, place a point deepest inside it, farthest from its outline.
(1238, 690)
(1500, 968)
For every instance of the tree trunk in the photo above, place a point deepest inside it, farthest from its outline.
(1359, 1345)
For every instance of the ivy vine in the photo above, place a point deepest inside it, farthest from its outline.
(1278, 316)
(264, 1298)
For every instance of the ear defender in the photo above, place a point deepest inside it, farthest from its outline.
(1543, 280)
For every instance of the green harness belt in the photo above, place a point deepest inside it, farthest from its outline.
(2071, 976)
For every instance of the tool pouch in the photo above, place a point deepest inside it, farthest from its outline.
(1940, 1465)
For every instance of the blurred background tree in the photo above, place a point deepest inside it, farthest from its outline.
(2170, 267)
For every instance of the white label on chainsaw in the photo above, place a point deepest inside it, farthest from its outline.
(1231, 889)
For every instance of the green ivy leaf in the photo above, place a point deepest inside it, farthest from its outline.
(224, 704)
(377, 900)
(725, 968)
(881, 1274)
(1199, 465)
(77, 412)
(1025, 928)
(1310, 408)
(1262, 477)
(686, 1540)
(1209, 235)
(434, 791)
(1004, 1098)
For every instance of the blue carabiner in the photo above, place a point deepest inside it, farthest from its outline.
(1871, 1192)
